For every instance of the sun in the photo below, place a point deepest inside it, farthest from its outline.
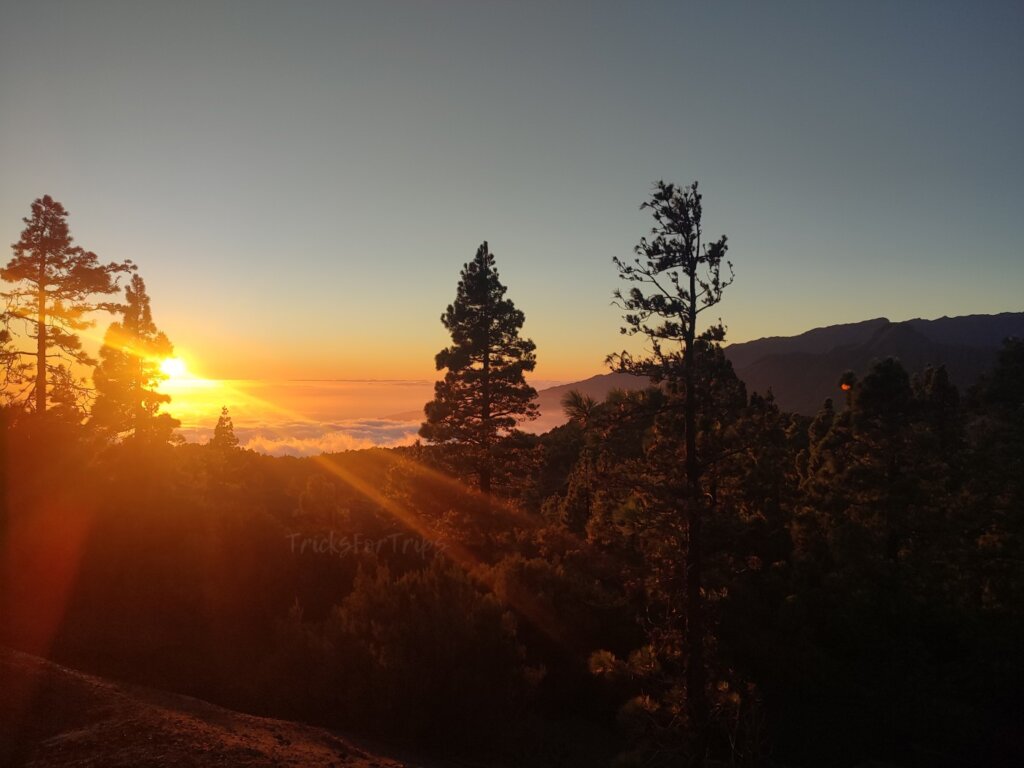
(173, 367)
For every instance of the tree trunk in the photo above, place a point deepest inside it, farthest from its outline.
(137, 394)
(485, 476)
(485, 466)
(694, 637)
(41, 353)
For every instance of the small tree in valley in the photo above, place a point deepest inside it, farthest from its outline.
(224, 433)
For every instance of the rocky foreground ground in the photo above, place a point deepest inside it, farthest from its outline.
(54, 716)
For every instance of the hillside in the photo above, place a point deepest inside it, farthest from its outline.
(817, 341)
(803, 370)
(598, 387)
(54, 716)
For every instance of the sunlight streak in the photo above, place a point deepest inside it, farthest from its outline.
(536, 612)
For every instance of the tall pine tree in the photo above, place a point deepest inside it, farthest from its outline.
(675, 277)
(56, 285)
(484, 393)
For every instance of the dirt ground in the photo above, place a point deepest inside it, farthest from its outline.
(54, 716)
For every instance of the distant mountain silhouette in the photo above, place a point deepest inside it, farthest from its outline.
(416, 415)
(803, 370)
(816, 341)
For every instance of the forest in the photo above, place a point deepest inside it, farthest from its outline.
(681, 574)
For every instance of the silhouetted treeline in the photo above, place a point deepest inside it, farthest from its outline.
(850, 584)
(863, 575)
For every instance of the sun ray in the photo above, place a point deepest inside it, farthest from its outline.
(536, 612)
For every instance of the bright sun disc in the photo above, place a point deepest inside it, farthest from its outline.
(174, 367)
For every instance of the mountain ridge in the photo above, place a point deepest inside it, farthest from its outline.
(803, 370)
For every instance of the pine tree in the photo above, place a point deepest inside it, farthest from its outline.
(224, 433)
(484, 392)
(128, 374)
(676, 275)
(56, 283)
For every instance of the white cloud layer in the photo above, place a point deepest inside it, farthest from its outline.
(305, 439)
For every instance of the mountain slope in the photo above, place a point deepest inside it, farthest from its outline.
(802, 374)
(54, 716)
(598, 387)
(803, 370)
(817, 341)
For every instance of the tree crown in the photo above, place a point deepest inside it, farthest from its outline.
(484, 391)
(676, 275)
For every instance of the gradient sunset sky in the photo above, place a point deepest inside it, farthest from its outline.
(300, 183)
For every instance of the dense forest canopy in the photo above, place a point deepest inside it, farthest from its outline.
(687, 574)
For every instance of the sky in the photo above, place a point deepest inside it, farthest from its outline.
(300, 183)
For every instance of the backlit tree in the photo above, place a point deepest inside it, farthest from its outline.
(484, 393)
(128, 402)
(56, 284)
(224, 433)
(675, 277)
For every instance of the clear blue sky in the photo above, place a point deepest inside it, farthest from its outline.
(301, 182)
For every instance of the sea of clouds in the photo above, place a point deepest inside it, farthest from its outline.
(297, 438)
(307, 439)
(306, 418)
